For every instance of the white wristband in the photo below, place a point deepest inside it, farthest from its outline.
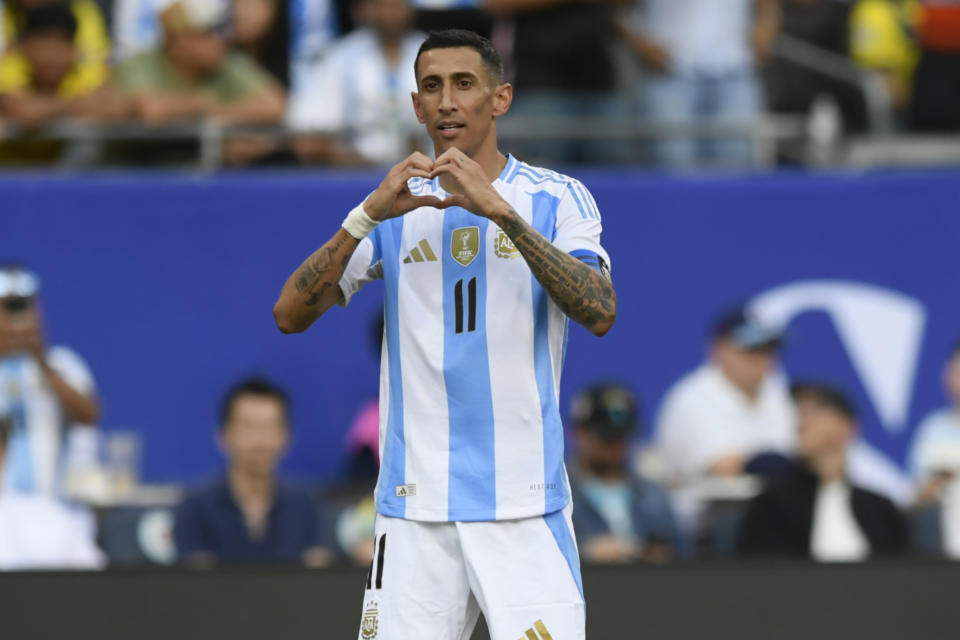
(358, 223)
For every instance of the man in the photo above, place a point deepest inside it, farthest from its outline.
(484, 258)
(814, 511)
(194, 75)
(935, 459)
(249, 515)
(48, 394)
(620, 517)
(38, 533)
(359, 92)
(715, 420)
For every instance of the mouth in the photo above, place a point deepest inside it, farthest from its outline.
(450, 129)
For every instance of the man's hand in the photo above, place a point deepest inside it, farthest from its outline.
(393, 198)
(477, 193)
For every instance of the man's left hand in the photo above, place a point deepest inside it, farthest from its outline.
(477, 193)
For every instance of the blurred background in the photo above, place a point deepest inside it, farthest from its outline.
(777, 405)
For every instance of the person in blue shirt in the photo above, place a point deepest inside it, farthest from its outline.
(620, 516)
(249, 515)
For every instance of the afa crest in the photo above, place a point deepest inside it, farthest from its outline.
(503, 247)
(371, 621)
(465, 244)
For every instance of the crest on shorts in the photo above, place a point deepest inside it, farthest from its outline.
(371, 621)
(503, 246)
(465, 244)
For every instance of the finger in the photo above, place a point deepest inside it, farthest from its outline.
(450, 168)
(415, 172)
(418, 159)
(454, 200)
(427, 201)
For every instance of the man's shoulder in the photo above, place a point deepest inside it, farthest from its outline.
(693, 385)
(526, 175)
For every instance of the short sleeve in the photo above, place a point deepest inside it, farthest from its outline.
(72, 369)
(319, 104)
(365, 266)
(578, 227)
(241, 79)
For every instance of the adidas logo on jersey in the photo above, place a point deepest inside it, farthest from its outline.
(422, 254)
(541, 629)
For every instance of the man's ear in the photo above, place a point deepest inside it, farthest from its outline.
(417, 108)
(502, 99)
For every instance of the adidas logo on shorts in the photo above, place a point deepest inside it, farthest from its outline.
(422, 254)
(537, 628)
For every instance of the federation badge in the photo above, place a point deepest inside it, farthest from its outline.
(503, 246)
(371, 621)
(465, 244)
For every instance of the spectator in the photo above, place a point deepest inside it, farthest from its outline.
(936, 83)
(46, 393)
(883, 41)
(362, 90)
(558, 54)
(38, 533)
(249, 515)
(620, 516)
(814, 510)
(935, 459)
(734, 407)
(701, 57)
(261, 29)
(193, 75)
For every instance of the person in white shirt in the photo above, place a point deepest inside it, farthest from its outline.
(353, 108)
(814, 510)
(38, 533)
(46, 393)
(734, 407)
(935, 459)
(484, 260)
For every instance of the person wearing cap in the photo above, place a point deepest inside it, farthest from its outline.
(732, 409)
(47, 393)
(194, 75)
(620, 516)
(36, 532)
(814, 510)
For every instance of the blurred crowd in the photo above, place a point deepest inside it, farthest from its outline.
(740, 462)
(327, 82)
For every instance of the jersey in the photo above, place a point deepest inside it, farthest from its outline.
(470, 425)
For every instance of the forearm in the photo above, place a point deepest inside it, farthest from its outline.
(313, 288)
(77, 406)
(31, 110)
(581, 292)
(265, 107)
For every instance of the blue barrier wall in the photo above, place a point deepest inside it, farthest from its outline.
(165, 285)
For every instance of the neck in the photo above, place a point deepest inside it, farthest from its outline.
(249, 487)
(391, 49)
(828, 466)
(488, 157)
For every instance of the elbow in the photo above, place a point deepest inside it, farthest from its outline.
(605, 323)
(285, 323)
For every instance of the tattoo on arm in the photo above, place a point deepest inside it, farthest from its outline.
(317, 274)
(581, 292)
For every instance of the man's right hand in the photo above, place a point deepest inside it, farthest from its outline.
(393, 198)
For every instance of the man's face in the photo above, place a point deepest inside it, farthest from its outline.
(17, 316)
(603, 457)
(201, 52)
(252, 19)
(389, 18)
(951, 378)
(821, 429)
(746, 368)
(457, 100)
(256, 434)
(51, 55)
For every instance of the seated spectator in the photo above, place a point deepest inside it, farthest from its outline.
(936, 82)
(250, 515)
(46, 393)
(814, 511)
(361, 92)
(883, 40)
(261, 29)
(733, 408)
(38, 533)
(193, 75)
(619, 516)
(701, 57)
(935, 459)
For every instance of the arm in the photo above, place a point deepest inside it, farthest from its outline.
(766, 26)
(266, 106)
(31, 109)
(314, 286)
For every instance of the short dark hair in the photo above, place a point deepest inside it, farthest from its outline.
(254, 386)
(56, 16)
(451, 38)
(827, 395)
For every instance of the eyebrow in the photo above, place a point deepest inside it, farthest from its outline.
(456, 75)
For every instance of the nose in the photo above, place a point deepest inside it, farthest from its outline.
(446, 99)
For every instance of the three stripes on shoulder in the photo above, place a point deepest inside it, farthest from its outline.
(538, 627)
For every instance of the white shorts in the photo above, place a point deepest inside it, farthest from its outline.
(431, 580)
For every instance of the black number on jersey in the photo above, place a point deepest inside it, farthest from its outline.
(471, 305)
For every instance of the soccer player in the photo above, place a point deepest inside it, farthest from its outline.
(484, 258)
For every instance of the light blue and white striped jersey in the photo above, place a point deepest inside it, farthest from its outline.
(469, 418)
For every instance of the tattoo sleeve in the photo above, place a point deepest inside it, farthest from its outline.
(581, 292)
